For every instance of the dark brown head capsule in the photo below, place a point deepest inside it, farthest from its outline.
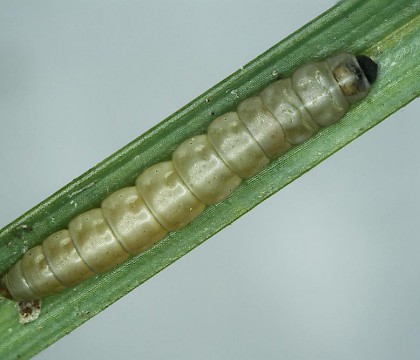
(354, 74)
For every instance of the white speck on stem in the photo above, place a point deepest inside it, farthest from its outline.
(235, 94)
(82, 189)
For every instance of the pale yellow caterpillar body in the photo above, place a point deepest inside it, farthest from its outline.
(203, 170)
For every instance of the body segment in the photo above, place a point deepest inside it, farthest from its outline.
(204, 170)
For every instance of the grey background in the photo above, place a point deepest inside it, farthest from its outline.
(326, 269)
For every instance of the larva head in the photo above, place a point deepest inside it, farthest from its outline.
(354, 74)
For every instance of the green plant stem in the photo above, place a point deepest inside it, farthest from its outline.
(387, 30)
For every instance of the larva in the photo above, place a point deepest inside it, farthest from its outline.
(204, 170)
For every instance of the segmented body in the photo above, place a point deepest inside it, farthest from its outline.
(204, 170)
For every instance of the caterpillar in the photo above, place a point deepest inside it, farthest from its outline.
(203, 170)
